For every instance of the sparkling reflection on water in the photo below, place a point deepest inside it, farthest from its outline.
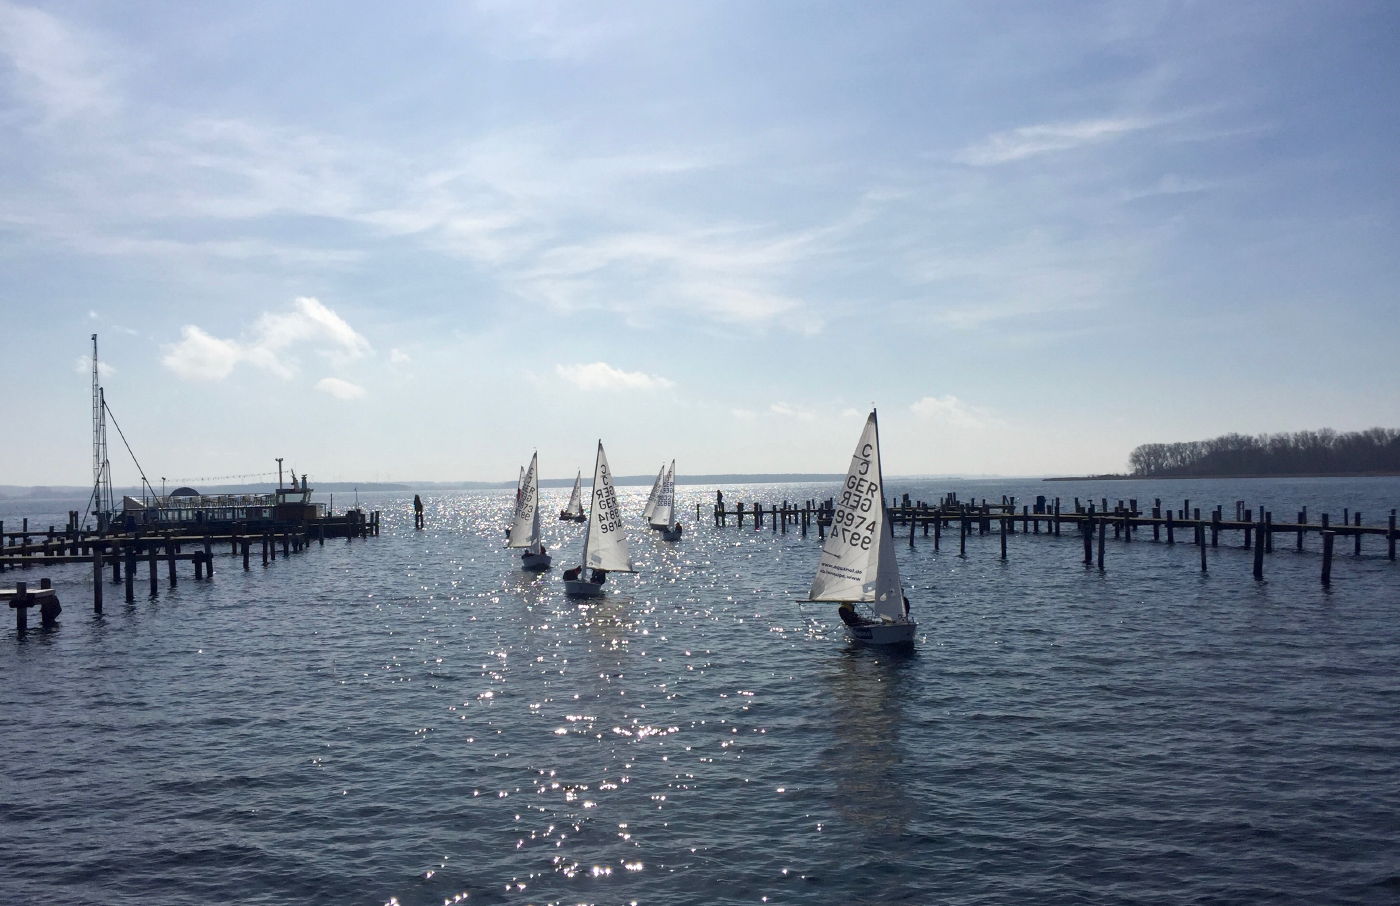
(413, 719)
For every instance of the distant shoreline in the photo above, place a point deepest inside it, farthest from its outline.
(1382, 474)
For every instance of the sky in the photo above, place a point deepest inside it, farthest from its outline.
(421, 241)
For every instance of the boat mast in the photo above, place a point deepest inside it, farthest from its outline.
(100, 503)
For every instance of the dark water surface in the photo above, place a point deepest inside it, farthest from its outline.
(411, 719)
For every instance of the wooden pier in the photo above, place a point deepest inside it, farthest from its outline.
(1256, 531)
(121, 553)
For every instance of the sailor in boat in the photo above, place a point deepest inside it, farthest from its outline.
(678, 528)
(849, 616)
(571, 575)
(598, 576)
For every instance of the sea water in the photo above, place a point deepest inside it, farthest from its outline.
(412, 719)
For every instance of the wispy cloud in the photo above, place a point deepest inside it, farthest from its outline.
(602, 376)
(796, 412)
(952, 412)
(84, 366)
(273, 344)
(59, 70)
(340, 389)
(1044, 138)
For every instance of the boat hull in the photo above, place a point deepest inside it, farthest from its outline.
(578, 588)
(882, 633)
(670, 535)
(535, 562)
(565, 517)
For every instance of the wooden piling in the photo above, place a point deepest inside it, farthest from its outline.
(96, 578)
(246, 544)
(1086, 529)
(1103, 533)
(962, 535)
(1390, 537)
(1201, 542)
(151, 564)
(1171, 528)
(1356, 551)
(1004, 519)
(129, 554)
(1327, 539)
(1259, 552)
(938, 530)
(170, 560)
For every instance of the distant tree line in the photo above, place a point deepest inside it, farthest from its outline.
(1300, 453)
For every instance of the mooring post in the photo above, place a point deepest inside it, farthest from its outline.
(264, 548)
(1357, 537)
(773, 518)
(246, 544)
(1259, 552)
(1128, 525)
(1086, 529)
(938, 527)
(1057, 517)
(739, 511)
(96, 577)
(1267, 527)
(208, 556)
(198, 565)
(1201, 541)
(1390, 537)
(1171, 528)
(129, 555)
(20, 603)
(170, 560)
(1327, 538)
(962, 534)
(1103, 533)
(1248, 529)
(911, 530)
(151, 564)
(1005, 518)
(1302, 519)
(1156, 514)
(1215, 527)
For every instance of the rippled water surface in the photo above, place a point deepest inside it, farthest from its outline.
(412, 719)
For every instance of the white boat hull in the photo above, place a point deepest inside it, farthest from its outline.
(582, 589)
(535, 562)
(882, 633)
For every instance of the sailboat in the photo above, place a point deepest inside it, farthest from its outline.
(857, 565)
(604, 542)
(525, 530)
(573, 512)
(663, 516)
(519, 484)
(655, 493)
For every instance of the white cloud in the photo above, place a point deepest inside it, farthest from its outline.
(200, 357)
(602, 376)
(953, 412)
(1028, 141)
(399, 357)
(747, 415)
(275, 339)
(340, 389)
(84, 366)
(787, 411)
(58, 68)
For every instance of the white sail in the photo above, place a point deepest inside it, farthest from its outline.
(663, 515)
(575, 507)
(655, 492)
(605, 544)
(857, 562)
(525, 529)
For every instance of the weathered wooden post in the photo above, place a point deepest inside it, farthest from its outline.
(20, 604)
(1127, 525)
(198, 565)
(1103, 533)
(170, 560)
(1005, 518)
(96, 577)
(962, 535)
(1215, 527)
(264, 548)
(1156, 514)
(1267, 530)
(911, 528)
(1171, 528)
(1201, 541)
(1302, 519)
(1057, 517)
(1357, 537)
(1248, 529)
(1086, 529)
(246, 544)
(739, 511)
(1259, 552)
(151, 565)
(208, 556)
(129, 555)
(1327, 538)
(1390, 537)
(938, 528)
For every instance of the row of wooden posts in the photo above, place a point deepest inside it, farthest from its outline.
(123, 553)
(1091, 520)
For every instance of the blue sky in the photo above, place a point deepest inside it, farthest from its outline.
(421, 241)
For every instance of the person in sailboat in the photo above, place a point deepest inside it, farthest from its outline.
(598, 576)
(849, 615)
(571, 575)
(906, 606)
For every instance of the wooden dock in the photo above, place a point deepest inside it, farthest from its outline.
(121, 553)
(1251, 530)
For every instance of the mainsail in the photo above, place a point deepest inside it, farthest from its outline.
(525, 529)
(575, 507)
(655, 493)
(857, 562)
(605, 544)
(664, 513)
